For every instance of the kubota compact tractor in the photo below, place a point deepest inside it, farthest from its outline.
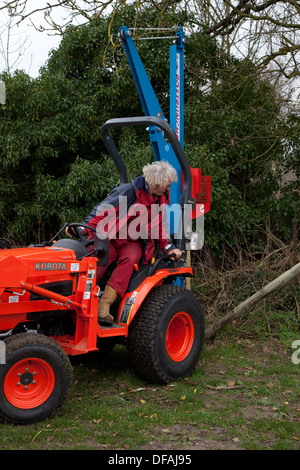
(49, 305)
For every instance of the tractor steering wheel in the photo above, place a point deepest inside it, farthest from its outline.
(74, 229)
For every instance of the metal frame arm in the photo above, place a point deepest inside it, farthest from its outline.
(169, 133)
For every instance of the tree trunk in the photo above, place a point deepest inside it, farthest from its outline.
(247, 305)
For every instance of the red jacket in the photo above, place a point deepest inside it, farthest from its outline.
(129, 212)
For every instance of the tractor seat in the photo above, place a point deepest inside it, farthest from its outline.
(146, 271)
(138, 277)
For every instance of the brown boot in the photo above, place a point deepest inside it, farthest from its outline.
(108, 297)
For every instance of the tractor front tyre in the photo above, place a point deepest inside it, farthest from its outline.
(166, 336)
(35, 379)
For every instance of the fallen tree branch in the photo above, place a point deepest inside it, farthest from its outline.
(248, 304)
(224, 387)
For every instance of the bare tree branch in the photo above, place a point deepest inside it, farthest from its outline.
(245, 9)
(248, 304)
(265, 31)
(276, 40)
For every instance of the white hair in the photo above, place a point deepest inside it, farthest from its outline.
(159, 173)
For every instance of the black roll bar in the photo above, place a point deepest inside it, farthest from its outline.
(170, 134)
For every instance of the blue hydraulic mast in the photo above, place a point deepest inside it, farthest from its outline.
(201, 185)
(162, 150)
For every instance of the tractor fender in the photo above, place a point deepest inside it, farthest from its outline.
(132, 301)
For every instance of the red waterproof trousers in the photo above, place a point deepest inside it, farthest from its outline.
(128, 253)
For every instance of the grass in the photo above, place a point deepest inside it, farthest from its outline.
(244, 394)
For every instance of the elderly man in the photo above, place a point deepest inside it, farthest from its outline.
(129, 246)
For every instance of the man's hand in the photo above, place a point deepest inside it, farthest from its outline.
(69, 232)
(177, 253)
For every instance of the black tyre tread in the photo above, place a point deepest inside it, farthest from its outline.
(142, 331)
(28, 339)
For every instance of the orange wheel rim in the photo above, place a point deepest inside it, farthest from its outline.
(180, 336)
(29, 383)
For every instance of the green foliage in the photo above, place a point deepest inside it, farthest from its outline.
(54, 166)
(233, 122)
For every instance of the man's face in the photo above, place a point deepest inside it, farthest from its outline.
(159, 190)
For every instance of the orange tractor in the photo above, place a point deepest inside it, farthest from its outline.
(49, 304)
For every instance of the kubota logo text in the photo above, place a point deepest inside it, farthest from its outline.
(50, 267)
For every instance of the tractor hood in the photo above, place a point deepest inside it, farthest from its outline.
(39, 253)
(21, 264)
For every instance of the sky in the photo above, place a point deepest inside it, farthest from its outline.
(29, 48)
(37, 50)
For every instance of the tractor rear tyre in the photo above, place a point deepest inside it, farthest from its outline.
(35, 380)
(166, 336)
